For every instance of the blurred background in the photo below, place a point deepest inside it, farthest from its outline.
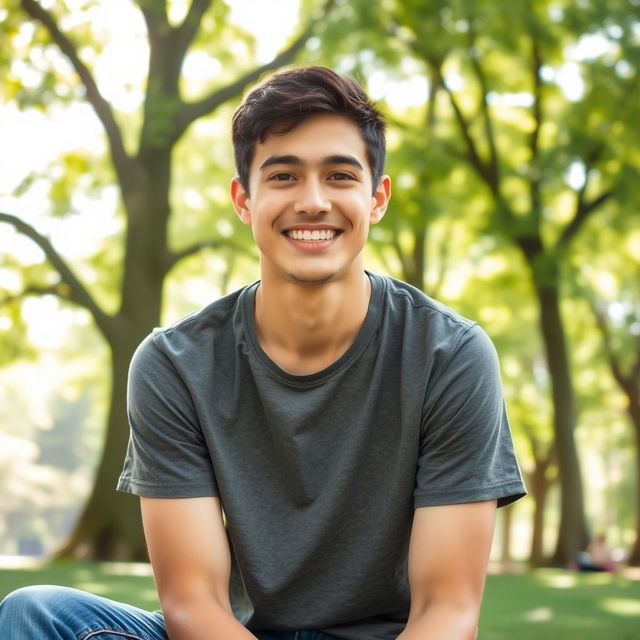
(515, 158)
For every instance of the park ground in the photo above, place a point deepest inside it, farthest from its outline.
(549, 604)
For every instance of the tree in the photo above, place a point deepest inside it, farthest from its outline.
(616, 311)
(543, 123)
(499, 297)
(625, 369)
(109, 526)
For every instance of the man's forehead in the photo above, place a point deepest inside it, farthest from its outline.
(318, 140)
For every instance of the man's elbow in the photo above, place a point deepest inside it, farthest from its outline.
(454, 621)
(178, 609)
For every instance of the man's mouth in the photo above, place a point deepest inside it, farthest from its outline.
(308, 235)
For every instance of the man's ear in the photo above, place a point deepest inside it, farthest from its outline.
(380, 200)
(240, 199)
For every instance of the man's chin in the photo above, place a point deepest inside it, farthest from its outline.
(312, 279)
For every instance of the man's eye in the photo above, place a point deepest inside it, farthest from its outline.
(281, 177)
(341, 175)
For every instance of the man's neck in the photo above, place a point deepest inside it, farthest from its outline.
(304, 328)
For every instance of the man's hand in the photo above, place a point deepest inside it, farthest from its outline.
(448, 558)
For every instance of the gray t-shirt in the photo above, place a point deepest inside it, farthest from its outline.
(319, 474)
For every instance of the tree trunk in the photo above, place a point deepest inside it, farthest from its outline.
(539, 486)
(110, 525)
(419, 241)
(572, 534)
(413, 263)
(634, 413)
(505, 550)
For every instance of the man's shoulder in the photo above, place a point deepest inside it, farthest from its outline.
(428, 329)
(411, 302)
(199, 328)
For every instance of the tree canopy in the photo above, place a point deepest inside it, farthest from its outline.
(514, 154)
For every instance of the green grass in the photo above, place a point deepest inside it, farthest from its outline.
(541, 605)
(551, 604)
(132, 583)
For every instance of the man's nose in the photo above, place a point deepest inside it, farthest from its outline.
(311, 199)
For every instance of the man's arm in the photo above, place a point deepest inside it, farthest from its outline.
(448, 557)
(191, 562)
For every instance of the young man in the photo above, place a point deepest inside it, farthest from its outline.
(349, 430)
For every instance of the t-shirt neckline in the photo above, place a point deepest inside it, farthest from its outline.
(362, 339)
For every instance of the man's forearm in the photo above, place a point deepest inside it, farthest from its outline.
(203, 620)
(442, 622)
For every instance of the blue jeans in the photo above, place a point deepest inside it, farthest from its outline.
(61, 613)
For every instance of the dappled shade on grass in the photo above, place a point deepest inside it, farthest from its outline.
(561, 605)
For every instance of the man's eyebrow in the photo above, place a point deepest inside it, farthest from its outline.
(296, 160)
(280, 160)
(339, 159)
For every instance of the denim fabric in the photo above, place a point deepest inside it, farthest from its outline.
(61, 613)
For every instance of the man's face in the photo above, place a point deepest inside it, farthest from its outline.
(311, 201)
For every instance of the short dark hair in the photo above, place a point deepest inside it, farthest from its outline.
(287, 98)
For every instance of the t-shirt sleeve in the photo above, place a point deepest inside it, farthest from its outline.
(167, 456)
(466, 451)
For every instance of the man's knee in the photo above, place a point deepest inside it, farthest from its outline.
(25, 599)
(30, 606)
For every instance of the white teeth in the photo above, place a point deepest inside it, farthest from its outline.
(308, 235)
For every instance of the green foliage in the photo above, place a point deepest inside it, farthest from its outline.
(116, 269)
(226, 43)
(13, 335)
(453, 215)
(35, 73)
(532, 106)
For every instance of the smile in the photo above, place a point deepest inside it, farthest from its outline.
(312, 236)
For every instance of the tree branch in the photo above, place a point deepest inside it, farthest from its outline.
(60, 290)
(434, 87)
(492, 168)
(487, 171)
(535, 176)
(444, 252)
(473, 156)
(121, 160)
(543, 453)
(186, 32)
(174, 257)
(583, 207)
(404, 262)
(583, 210)
(614, 362)
(194, 110)
(78, 293)
(155, 17)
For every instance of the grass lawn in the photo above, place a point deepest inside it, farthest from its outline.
(132, 583)
(552, 604)
(541, 605)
